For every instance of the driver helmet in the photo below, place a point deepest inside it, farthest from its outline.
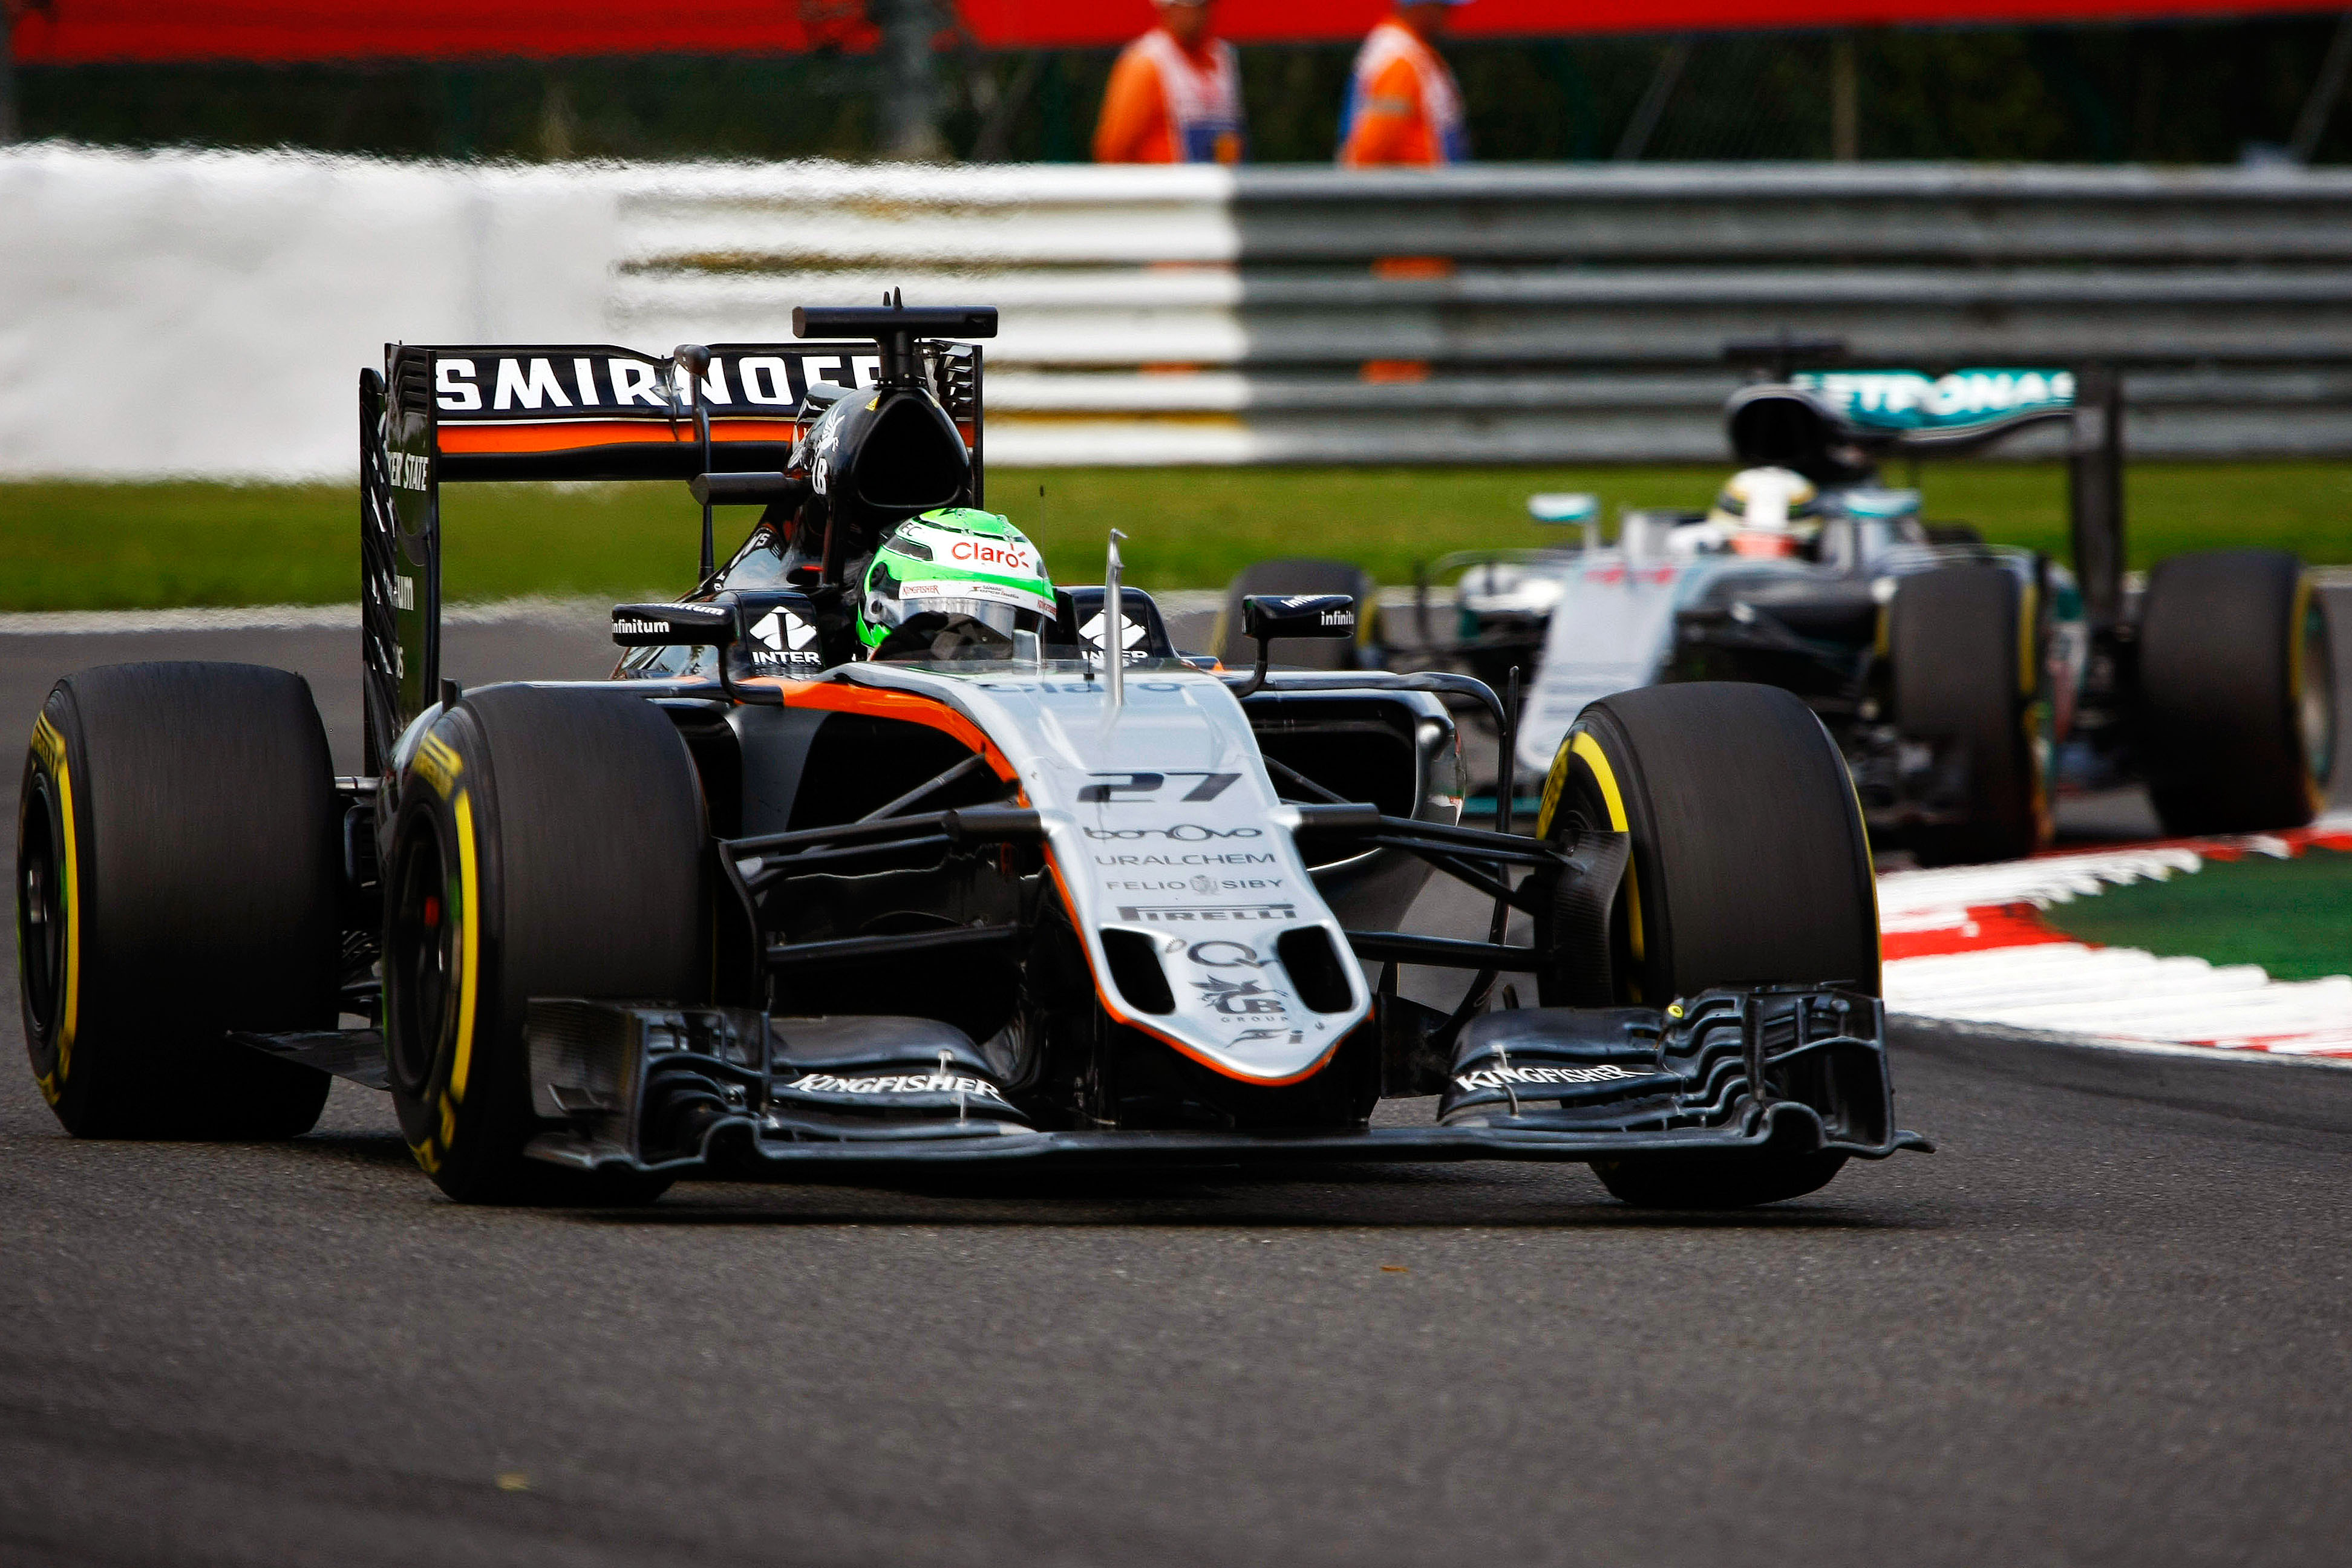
(1758, 510)
(956, 582)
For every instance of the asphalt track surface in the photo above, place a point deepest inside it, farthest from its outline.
(2106, 1323)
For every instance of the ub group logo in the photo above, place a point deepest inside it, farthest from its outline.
(1238, 998)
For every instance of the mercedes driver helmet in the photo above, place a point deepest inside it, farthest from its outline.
(1759, 511)
(1766, 498)
(952, 583)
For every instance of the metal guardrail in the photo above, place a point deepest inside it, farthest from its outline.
(1192, 314)
(1546, 313)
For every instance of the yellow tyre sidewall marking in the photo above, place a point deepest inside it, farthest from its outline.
(471, 941)
(50, 747)
(466, 913)
(1584, 745)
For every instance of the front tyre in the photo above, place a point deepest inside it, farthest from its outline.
(548, 843)
(2237, 709)
(1750, 866)
(178, 876)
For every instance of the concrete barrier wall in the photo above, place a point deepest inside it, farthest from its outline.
(206, 313)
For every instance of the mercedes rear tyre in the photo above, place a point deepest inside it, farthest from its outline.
(179, 875)
(547, 843)
(1750, 866)
(1964, 644)
(1303, 575)
(2237, 700)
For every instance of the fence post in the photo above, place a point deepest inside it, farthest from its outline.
(910, 127)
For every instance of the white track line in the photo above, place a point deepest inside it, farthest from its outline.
(2118, 994)
(2052, 879)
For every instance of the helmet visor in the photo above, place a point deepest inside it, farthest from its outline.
(952, 629)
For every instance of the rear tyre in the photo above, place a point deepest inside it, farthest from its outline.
(179, 875)
(2237, 709)
(1963, 644)
(1303, 575)
(1750, 866)
(547, 843)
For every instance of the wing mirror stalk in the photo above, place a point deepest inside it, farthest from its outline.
(1265, 616)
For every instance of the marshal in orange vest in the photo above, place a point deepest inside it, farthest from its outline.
(1175, 96)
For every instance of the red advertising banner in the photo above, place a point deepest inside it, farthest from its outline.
(77, 31)
(1032, 24)
(285, 31)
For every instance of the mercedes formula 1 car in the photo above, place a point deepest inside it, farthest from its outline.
(869, 855)
(1963, 681)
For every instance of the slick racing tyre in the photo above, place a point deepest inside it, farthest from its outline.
(2237, 702)
(1750, 866)
(1963, 644)
(1303, 575)
(179, 875)
(547, 843)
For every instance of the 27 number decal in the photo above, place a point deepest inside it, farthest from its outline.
(1144, 787)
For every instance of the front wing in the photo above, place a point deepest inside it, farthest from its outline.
(713, 1092)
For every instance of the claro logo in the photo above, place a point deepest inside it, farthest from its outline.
(980, 552)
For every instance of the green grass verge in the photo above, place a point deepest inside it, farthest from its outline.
(2292, 917)
(89, 546)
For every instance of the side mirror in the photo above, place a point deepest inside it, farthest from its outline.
(1569, 506)
(672, 626)
(1565, 507)
(1265, 616)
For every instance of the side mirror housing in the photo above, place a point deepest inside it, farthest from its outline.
(672, 626)
(1265, 616)
(1572, 507)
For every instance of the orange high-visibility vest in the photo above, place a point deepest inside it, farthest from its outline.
(1164, 106)
(1402, 104)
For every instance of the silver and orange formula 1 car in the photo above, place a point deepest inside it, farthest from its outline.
(770, 902)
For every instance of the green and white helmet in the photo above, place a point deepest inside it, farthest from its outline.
(949, 582)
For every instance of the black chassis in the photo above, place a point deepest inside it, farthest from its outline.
(1045, 1074)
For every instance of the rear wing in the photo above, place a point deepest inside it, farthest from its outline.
(440, 415)
(1873, 412)
(1929, 414)
(595, 411)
